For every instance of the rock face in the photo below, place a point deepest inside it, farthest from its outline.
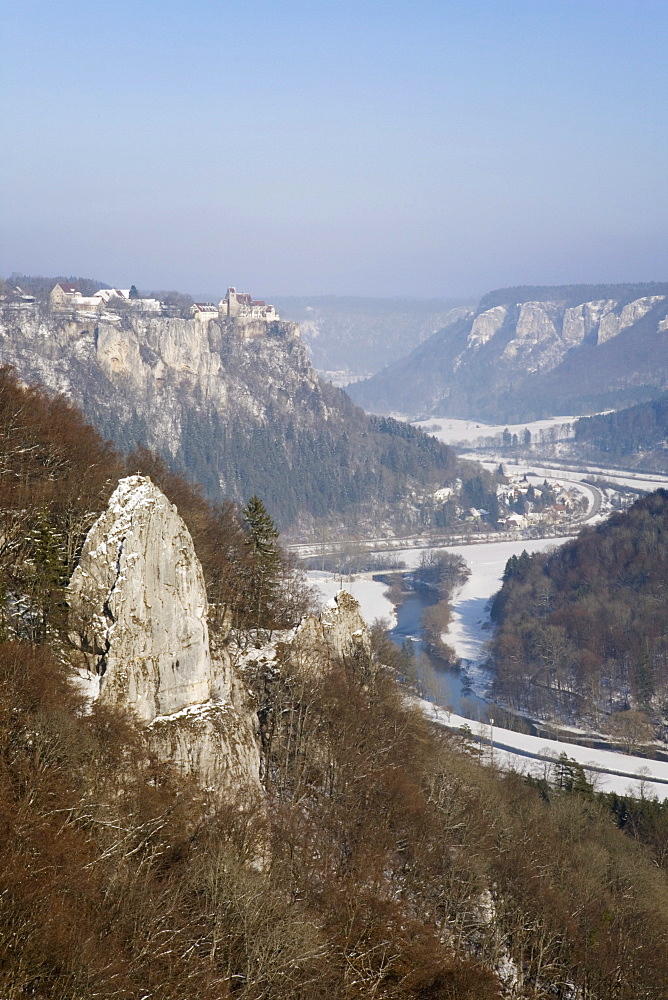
(338, 632)
(239, 407)
(140, 591)
(524, 356)
(168, 383)
(139, 615)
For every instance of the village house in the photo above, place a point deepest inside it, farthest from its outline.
(65, 297)
(204, 311)
(111, 295)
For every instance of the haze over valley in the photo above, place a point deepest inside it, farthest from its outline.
(334, 501)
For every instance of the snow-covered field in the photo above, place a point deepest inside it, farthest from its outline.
(607, 770)
(369, 593)
(450, 429)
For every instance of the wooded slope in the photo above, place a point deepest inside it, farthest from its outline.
(582, 631)
(391, 863)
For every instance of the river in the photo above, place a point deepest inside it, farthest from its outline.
(470, 626)
(443, 685)
(469, 629)
(468, 633)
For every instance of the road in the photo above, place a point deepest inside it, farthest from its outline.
(306, 550)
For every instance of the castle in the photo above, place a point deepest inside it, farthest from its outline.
(240, 306)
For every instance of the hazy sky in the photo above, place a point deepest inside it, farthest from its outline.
(421, 147)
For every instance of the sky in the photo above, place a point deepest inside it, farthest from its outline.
(427, 148)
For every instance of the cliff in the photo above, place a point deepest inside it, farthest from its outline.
(139, 619)
(338, 632)
(529, 353)
(239, 408)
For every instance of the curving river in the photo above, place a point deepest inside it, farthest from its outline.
(443, 685)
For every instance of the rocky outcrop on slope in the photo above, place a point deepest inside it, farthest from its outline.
(522, 357)
(338, 633)
(139, 619)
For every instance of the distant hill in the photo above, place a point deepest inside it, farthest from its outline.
(636, 436)
(571, 295)
(534, 352)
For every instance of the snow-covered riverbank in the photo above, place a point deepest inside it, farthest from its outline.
(608, 771)
(469, 631)
(470, 626)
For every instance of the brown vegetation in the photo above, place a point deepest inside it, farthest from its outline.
(398, 867)
(395, 866)
(56, 476)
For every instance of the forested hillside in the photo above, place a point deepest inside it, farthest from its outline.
(581, 632)
(637, 436)
(58, 475)
(241, 411)
(386, 860)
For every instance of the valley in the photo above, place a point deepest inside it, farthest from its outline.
(188, 647)
(334, 501)
(458, 695)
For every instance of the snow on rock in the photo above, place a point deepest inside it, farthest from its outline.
(338, 632)
(216, 743)
(370, 594)
(139, 618)
(612, 323)
(486, 325)
(140, 597)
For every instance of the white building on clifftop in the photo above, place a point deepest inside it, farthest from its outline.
(65, 296)
(241, 306)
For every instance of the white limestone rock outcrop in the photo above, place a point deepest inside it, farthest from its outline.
(139, 618)
(139, 591)
(522, 357)
(338, 632)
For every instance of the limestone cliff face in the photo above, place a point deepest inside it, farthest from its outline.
(239, 407)
(139, 615)
(525, 358)
(178, 386)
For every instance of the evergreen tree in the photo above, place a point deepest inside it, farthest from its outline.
(266, 561)
(134, 294)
